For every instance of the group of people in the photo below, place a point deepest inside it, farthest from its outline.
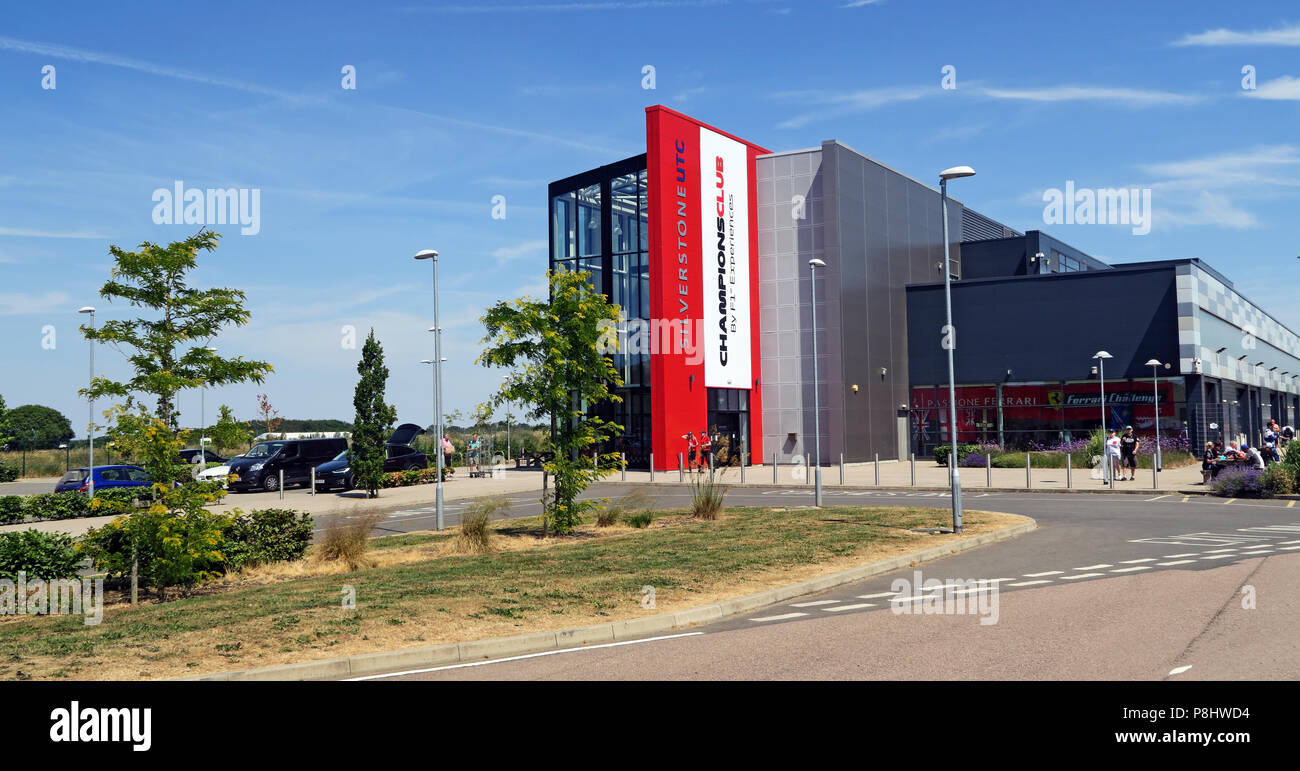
(1121, 454)
(699, 452)
(1217, 457)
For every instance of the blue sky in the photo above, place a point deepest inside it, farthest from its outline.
(456, 103)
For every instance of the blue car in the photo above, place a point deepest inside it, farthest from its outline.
(106, 477)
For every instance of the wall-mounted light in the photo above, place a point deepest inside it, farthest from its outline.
(690, 379)
(1221, 350)
(854, 387)
(1094, 369)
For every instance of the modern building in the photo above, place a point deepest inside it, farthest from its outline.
(705, 242)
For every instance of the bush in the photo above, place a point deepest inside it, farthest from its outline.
(974, 460)
(8, 473)
(475, 524)
(707, 494)
(56, 505)
(641, 520)
(48, 556)
(941, 452)
(1278, 480)
(347, 541)
(1240, 483)
(172, 548)
(11, 509)
(1291, 455)
(266, 535)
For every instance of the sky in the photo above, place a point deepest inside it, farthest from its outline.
(458, 106)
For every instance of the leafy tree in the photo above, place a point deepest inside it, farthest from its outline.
(270, 417)
(229, 432)
(374, 420)
(33, 426)
(169, 353)
(5, 435)
(554, 348)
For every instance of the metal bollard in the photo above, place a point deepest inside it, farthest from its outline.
(313, 480)
(841, 469)
(1029, 480)
(877, 469)
(773, 468)
(1068, 469)
(913, 469)
(744, 460)
(281, 484)
(681, 472)
(988, 470)
(622, 462)
(652, 467)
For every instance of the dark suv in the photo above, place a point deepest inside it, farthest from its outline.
(399, 455)
(260, 467)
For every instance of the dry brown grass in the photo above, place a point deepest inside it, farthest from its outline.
(346, 540)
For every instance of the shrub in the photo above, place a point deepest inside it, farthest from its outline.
(56, 505)
(475, 524)
(941, 452)
(11, 509)
(1278, 480)
(974, 460)
(266, 535)
(48, 556)
(1291, 455)
(347, 541)
(1240, 483)
(622, 508)
(641, 520)
(173, 548)
(707, 494)
(8, 473)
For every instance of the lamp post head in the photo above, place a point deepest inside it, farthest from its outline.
(1154, 363)
(427, 254)
(426, 361)
(956, 172)
(87, 309)
(1102, 355)
(817, 263)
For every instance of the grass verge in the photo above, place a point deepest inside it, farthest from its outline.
(423, 592)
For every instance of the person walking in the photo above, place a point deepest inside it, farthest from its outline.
(475, 448)
(1112, 458)
(1208, 468)
(1128, 449)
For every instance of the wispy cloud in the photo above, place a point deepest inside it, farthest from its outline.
(1270, 165)
(833, 104)
(20, 304)
(627, 5)
(535, 250)
(68, 53)
(861, 3)
(1282, 36)
(1283, 88)
(30, 233)
(1134, 97)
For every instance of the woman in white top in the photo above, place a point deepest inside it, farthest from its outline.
(1112, 455)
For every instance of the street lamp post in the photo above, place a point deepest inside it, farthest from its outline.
(67, 458)
(432, 256)
(1154, 364)
(950, 341)
(90, 430)
(507, 379)
(1101, 357)
(203, 412)
(813, 265)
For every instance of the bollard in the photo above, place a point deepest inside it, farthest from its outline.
(281, 484)
(1068, 469)
(313, 480)
(622, 462)
(988, 470)
(744, 459)
(913, 469)
(773, 468)
(681, 472)
(1029, 481)
(841, 469)
(652, 467)
(877, 469)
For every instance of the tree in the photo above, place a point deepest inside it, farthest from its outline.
(169, 354)
(554, 348)
(374, 420)
(6, 436)
(270, 417)
(229, 432)
(33, 426)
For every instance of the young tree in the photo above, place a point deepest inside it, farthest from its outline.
(270, 416)
(229, 432)
(169, 353)
(554, 348)
(374, 421)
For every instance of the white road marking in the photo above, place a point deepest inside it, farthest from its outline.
(1175, 562)
(1216, 551)
(1258, 551)
(911, 599)
(1130, 570)
(1218, 557)
(525, 656)
(849, 607)
(1158, 497)
(1288, 548)
(1134, 562)
(1287, 543)
(779, 618)
(1180, 670)
(1081, 575)
(1096, 567)
(1045, 573)
(1031, 583)
(813, 603)
(1176, 556)
(877, 596)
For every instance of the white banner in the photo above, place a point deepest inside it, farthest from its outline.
(724, 209)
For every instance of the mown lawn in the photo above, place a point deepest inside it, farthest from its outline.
(594, 576)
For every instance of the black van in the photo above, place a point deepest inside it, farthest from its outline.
(260, 467)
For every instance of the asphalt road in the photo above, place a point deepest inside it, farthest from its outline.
(1107, 587)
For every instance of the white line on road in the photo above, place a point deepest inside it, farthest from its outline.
(1158, 497)
(849, 607)
(1134, 562)
(813, 603)
(1288, 548)
(1258, 551)
(1097, 567)
(1180, 670)
(779, 618)
(1031, 583)
(1219, 557)
(877, 596)
(1287, 543)
(524, 656)
(1216, 551)
(1080, 575)
(1176, 556)
(1175, 562)
(1130, 570)
(1044, 573)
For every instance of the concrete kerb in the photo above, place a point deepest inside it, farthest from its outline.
(481, 650)
(922, 489)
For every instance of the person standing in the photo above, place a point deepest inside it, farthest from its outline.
(1112, 458)
(448, 449)
(692, 447)
(475, 448)
(706, 450)
(1128, 449)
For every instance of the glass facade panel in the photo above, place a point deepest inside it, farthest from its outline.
(563, 217)
(588, 225)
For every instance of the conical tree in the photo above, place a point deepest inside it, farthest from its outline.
(374, 420)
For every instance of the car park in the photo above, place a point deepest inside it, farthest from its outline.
(106, 477)
(399, 455)
(260, 468)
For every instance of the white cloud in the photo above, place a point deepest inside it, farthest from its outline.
(861, 3)
(1068, 93)
(30, 233)
(849, 102)
(21, 304)
(1283, 36)
(1283, 88)
(1270, 165)
(535, 250)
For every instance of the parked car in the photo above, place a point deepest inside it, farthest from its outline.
(217, 472)
(201, 456)
(105, 477)
(399, 455)
(260, 467)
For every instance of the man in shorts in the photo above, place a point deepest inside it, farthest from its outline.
(1128, 454)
